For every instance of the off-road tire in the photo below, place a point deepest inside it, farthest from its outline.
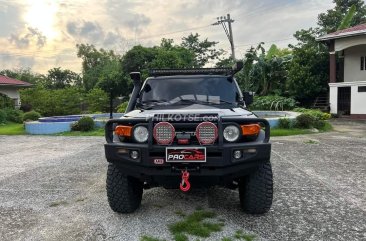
(256, 190)
(124, 193)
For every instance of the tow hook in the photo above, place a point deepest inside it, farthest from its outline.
(185, 185)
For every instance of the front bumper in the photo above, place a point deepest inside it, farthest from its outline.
(219, 162)
(220, 166)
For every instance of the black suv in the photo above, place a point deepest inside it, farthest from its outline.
(188, 128)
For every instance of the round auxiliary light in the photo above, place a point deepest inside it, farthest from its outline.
(164, 133)
(134, 154)
(237, 154)
(141, 134)
(231, 133)
(206, 133)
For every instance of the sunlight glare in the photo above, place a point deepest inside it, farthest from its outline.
(41, 14)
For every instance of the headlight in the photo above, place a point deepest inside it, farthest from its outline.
(231, 133)
(141, 134)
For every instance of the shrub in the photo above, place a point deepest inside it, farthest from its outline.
(31, 116)
(273, 102)
(13, 115)
(75, 126)
(85, 123)
(284, 123)
(66, 101)
(319, 124)
(2, 116)
(318, 114)
(122, 107)
(305, 121)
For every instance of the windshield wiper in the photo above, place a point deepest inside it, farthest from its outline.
(151, 103)
(221, 101)
(189, 101)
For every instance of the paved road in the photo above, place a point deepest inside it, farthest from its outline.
(53, 188)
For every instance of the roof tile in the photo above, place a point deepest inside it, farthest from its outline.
(5, 80)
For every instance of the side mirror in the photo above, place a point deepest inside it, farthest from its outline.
(248, 97)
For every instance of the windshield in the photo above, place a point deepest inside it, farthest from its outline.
(189, 90)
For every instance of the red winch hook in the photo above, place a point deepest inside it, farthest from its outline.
(185, 185)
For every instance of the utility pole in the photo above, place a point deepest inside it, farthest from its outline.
(229, 33)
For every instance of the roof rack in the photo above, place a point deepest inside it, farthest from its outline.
(197, 71)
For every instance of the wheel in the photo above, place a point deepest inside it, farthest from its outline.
(124, 193)
(256, 190)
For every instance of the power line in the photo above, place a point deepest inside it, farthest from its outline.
(269, 41)
(174, 32)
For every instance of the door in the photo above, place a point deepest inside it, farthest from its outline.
(344, 100)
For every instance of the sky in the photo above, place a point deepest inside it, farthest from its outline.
(42, 34)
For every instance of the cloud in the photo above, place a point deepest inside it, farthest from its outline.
(85, 30)
(92, 32)
(24, 40)
(10, 15)
(111, 39)
(123, 13)
(11, 61)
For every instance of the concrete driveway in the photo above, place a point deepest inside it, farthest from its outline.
(53, 188)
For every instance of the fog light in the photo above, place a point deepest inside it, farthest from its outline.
(134, 154)
(122, 151)
(237, 154)
(251, 151)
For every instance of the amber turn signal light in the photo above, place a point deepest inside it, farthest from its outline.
(250, 130)
(125, 131)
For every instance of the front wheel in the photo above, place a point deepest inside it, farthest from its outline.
(256, 190)
(124, 193)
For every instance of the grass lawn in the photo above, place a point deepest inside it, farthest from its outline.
(12, 129)
(95, 132)
(295, 131)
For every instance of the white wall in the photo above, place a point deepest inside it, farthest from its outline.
(352, 64)
(12, 92)
(358, 101)
(333, 99)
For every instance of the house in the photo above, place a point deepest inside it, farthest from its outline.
(347, 76)
(10, 87)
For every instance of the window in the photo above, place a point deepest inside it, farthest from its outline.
(361, 88)
(363, 67)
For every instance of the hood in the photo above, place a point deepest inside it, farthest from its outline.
(191, 110)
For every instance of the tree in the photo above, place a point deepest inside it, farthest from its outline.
(65, 101)
(59, 79)
(275, 51)
(347, 20)
(97, 100)
(308, 70)
(331, 20)
(167, 55)
(204, 51)
(137, 59)
(265, 72)
(93, 61)
(112, 80)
